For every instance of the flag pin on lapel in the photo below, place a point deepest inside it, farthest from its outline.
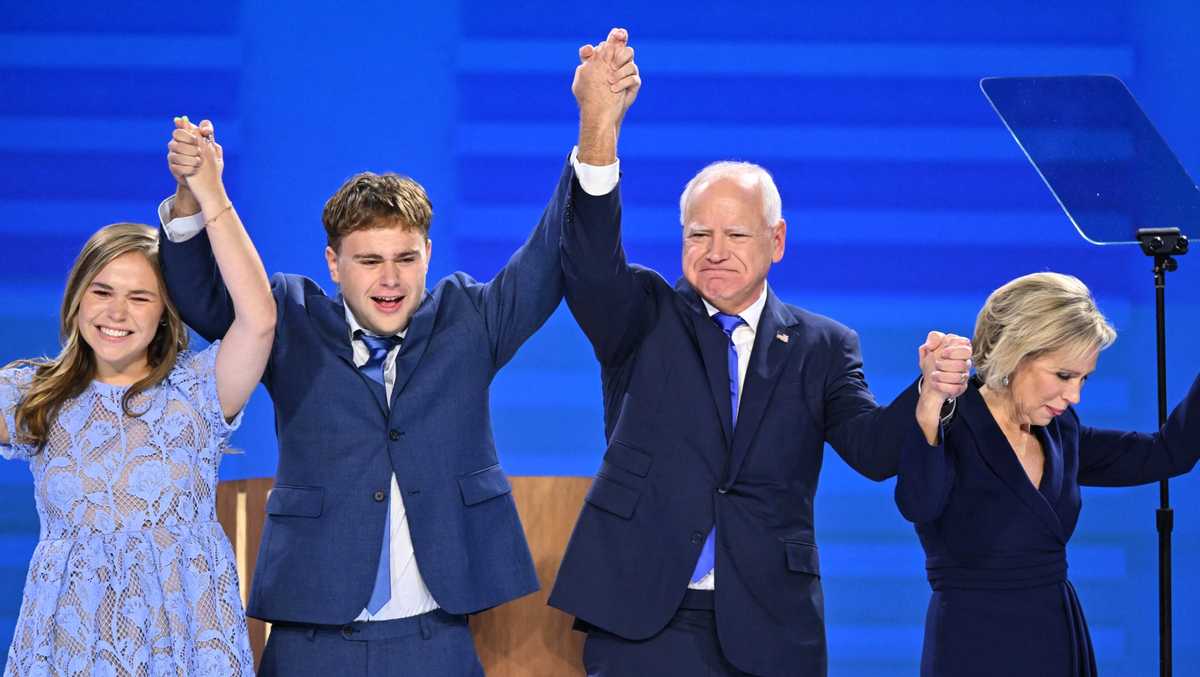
(781, 336)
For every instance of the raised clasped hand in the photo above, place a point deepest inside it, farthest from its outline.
(607, 80)
(945, 361)
(197, 161)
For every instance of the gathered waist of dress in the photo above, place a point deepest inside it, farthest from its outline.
(998, 573)
(88, 532)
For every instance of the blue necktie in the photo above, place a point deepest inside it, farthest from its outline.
(708, 555)
(380, 346)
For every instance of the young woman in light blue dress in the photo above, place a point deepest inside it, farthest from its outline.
(123, 432)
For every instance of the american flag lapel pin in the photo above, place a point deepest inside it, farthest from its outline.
(781, 336)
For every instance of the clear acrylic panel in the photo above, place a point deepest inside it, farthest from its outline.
(1098, 153)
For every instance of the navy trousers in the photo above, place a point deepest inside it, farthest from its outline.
(687, 647)
(434, 644)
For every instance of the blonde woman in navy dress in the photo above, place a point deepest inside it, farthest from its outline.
(123, 431)
(995, 492)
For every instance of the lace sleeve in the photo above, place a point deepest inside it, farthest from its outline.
(195, 374)
(13, 381)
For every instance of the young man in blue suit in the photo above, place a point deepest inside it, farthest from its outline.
(695, 552)
(391, 518)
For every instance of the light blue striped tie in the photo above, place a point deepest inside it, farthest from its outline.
(380, 346)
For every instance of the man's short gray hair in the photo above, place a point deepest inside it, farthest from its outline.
(748, 172)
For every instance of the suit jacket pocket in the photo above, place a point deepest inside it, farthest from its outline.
(612, 497)
(628, 458)
(296, 501)
(802, 557)
(485, 484)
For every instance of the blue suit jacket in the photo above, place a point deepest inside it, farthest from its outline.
(339, 442)
(675, 466)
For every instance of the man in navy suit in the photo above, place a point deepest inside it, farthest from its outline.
(695, 552)
(391, 518)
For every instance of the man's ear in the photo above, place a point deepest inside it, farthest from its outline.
(331, 261)
(778, 241)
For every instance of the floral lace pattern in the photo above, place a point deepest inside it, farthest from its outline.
(132, 575)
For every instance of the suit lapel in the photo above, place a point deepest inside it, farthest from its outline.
(998, 454)
(713, 346)
(329, 316)
(416, 341)
(1052, 474)
(766, 359)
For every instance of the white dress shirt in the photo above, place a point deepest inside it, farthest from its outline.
(743, 344)
(410, 595)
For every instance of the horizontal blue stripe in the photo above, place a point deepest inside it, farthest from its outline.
(39, 258)
(743, 100)
(1091, 563)
(16, 549)
(31, 306)
(552, 461)
(517, 139)
(73, 217)
(874, 560)
(12, 585)
(807, 226)
(1111, 643)
(524, 389)
(117, 135)
(1078, 21)
(160, 93)
(136, 52)
(861, 643)
(698, 57)
(812, 184)
(93, 176)
(127, 16)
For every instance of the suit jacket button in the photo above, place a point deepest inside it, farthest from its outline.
(722, 491)
(347, 631)
(697, 537)
(393, 434)
(379, 496)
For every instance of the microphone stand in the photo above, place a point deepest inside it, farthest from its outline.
(1163, 244)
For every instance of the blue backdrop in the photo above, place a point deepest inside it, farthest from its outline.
(907, 203)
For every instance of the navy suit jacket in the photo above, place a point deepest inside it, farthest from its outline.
(339, 442)
(996, 545)
(675, 465)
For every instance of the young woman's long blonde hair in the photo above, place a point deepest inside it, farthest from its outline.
(69, 374)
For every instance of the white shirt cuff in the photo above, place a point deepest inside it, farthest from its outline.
(181, 229)
(594, 180)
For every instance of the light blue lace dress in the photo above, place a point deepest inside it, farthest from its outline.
(132, 574)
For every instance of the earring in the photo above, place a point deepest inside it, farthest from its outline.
(1005, 382)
